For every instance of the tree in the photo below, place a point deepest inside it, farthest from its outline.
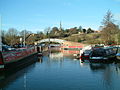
(11, 36)
(109, 29)
(108, 18)
(47, 31)
(80, 29)
(118, 37)
(25, 34)
(40, 35)
(54, 29)
(90, 30)
(84, 30)
(54, 33)
(3, 36)
(73, 30)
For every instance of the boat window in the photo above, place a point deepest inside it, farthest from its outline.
(87, 51)
(118, 50)
(110, 50)
(107, 52)
(98, 53)
(115, 49)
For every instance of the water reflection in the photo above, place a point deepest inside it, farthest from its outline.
(56, 56)
(105, 69)
(9, 76)
(97, 66)
(40, 60)
(59, 71)
(117, 68)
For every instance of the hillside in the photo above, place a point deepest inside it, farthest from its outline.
(84, 38)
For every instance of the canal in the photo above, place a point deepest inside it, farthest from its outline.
(60, 71)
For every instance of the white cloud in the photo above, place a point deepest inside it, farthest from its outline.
(117, 16)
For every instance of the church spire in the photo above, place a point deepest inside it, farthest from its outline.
(60, 26)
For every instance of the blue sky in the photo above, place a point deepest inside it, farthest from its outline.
(36, 15)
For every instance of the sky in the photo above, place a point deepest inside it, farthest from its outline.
(36, 15)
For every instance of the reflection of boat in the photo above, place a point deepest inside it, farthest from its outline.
(11, 75)
(102, 54)
(15, 58)
(97, 66)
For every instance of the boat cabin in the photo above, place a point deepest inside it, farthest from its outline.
(102, 54)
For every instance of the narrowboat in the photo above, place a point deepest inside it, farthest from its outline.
(103, 54)
(118, 53)
(86, 54)
(14, 58)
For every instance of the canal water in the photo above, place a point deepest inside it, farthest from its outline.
(60, 71)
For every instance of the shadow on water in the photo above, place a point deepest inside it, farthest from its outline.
(101, 66)
(10, 75)
(106, 75)
(95, 66)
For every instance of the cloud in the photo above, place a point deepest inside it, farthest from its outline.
(117, 16)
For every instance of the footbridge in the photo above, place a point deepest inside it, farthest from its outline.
(60, 41)
(63, 43)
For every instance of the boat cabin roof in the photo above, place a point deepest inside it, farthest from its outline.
(104, 51)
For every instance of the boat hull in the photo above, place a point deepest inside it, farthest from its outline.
(14, 59)
(109, 60)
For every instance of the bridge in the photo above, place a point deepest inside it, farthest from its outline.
(64, 43)
(50, 40)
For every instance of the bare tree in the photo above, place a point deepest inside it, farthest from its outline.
(3, 36)
(108, 18)
(11, 36)
(109, 29)
(47, 31)
(25, 34)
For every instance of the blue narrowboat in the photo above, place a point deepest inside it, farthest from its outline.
(103, 54)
